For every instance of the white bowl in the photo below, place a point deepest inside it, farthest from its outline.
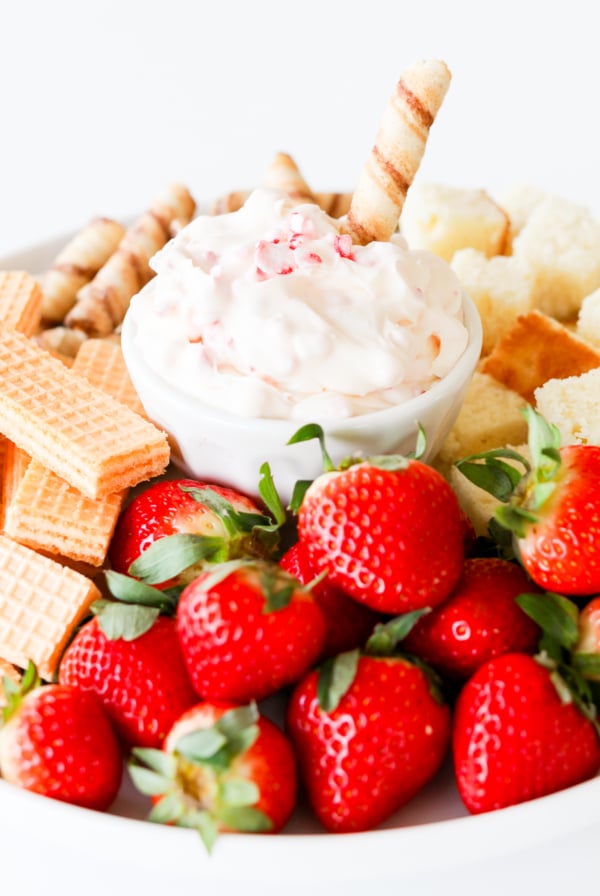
(213, 445)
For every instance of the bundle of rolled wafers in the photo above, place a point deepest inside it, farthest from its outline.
(73, 441)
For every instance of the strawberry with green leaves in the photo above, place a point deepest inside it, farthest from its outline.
(56, 740)
(480, 620)
(211, 522)
(222, 768)
(130, 657)
(525, 726)
(388, 531)
(247, 629)
(552, 508)
(370, 730)
(348, 624)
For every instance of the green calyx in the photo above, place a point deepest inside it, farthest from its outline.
(523, 492)
(572, 674)
(336, 675)
(390, 462)
(14, 691)
(276, 585)
(194, 786)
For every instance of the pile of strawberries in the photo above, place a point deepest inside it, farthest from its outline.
(393, 635)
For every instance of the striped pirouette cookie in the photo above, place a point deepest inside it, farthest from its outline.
(399, 146)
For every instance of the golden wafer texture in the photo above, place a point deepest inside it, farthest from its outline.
(41, 602)
(101, 304)
(283, 174)
(48, 514)
(77, 264)
(399, 146)
(20, 302)
(15, 463)
(83, 435)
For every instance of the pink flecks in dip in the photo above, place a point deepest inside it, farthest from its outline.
(272, 312)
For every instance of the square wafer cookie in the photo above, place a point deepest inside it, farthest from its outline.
(48, 514)
(41, 602)
(20, 302)
(15, 463)
(85, 436)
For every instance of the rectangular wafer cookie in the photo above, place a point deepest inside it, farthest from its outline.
(86, 437)
(15, 463)
(20, 302)
(41, 602)
(48, 514)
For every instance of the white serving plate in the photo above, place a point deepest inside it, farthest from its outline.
(430, 846)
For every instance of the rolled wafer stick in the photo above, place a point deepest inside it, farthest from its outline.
(101, 304)
(231, 202)
(20, 301)
(283, 174)
(76, 265)
(335, 204)
(399, 146)
(61, 340)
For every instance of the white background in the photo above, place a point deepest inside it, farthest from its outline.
(104, 103)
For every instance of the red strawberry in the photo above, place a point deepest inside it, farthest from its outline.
(57, 741)
(142, 683)
(479, 620)
(553, 509)
(224, 518)
(388, 532)
(367, 747)
(348, 623)
(247, 630)
(222, 768)
(515, 739)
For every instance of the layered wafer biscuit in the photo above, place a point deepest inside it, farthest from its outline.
(283, 174)
(101, 304)
(77, 264)
(15, 464)
(20, 302)
(41, 602)
(83, 435)
(399, 146)
(48, 514)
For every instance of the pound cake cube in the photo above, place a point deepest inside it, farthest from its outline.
(86, 437)
(536, 349)
(41, 603)
(573, 405)
(445, 219)
(518, 202)
(491, 417)
(588, 319)
(500, 288)
(560, 242)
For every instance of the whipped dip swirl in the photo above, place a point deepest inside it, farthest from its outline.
(271, 312)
